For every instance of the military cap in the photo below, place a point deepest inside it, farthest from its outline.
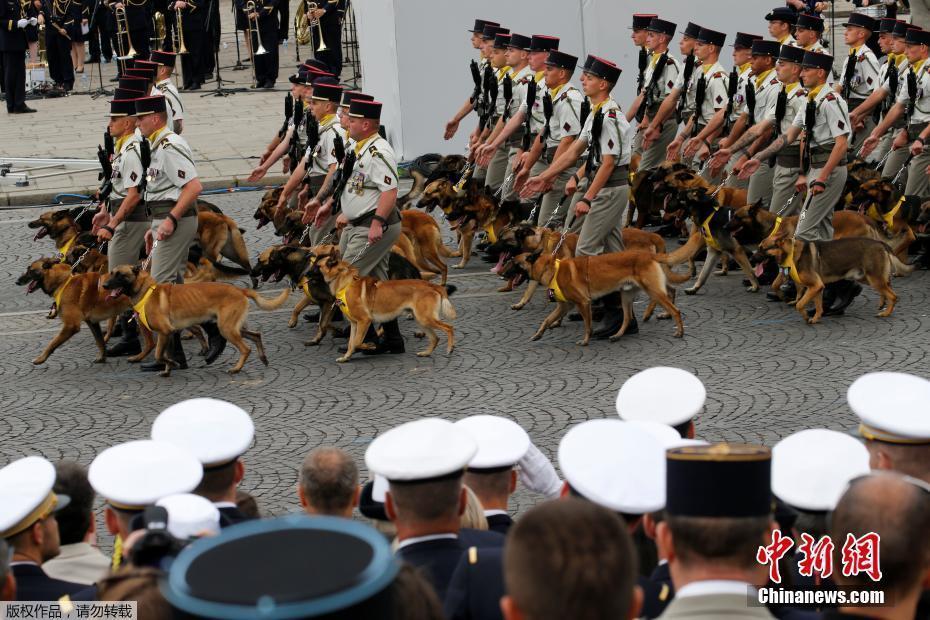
(662, 26)
(146, 64)
(543, 43)
(368, 505)
(766, 48)
(349, 95)
(424, 449)
(892, 407)
(190, 516)
(782, 14)
(562, 60)
(601, 68)
(744, 40)
(860, 20)
(501, 442)
(26, 495)
(319, 65)
(133, 83)
(886, 25)
(692, 30)
(915, 36)
(360, 108)
(491, 31)
(810, 22)
(811, 468)
(719, 480)
(123, 107)
(816, 60)
(327, 92)
(301, 77)
(213, 430)
(671, 396)
(641, 20)
(615, 464)
(481, 23)
(136, 474)
(324, 566)
(520, 42)
(140, 73)
(127, 94)
(901, 28)
(501, 41)
(711, 37)
(166, 59)
(790, 53)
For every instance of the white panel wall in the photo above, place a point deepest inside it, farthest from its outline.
(415, 53)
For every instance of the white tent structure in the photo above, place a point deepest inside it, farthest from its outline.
(415, 53)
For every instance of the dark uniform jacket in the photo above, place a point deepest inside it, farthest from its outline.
(32, 584)
(12, 39)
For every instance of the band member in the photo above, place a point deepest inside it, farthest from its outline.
(58, 44)
(262, 12)
(193, 23)
(330, 14)
(13, 23)
(77, 16)
(139, 21)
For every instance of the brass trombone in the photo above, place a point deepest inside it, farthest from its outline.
(251, 15)
(122, 28)
(312, 6)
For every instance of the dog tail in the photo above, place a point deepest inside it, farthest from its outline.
(229, 271)
(446, 309)
(685, 252)
(443, 250)
(674, 278)
(265, 303)
(450, 289)
(900, 268)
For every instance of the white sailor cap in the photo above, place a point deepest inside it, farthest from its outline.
(26, 494)
(215, 431)
(811, 468)
(615, 464)
(667, 436)
(421, 450)
(662, 394)
(136, 474)
(501, 442)
(190, 516)
(893, 407)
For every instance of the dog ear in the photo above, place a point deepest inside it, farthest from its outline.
(754, 207)
(47, 263)
(136, 269)
(60, 215)
(684, 175)
(532, 257)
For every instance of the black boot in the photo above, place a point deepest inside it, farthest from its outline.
(613, 317)
(846, 291)
(129, 343)
(215, 341)
(174, 351)
(315, 316)
(391, 342)
(788, 290)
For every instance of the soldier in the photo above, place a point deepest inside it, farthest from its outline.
(13, 23)
(166, 62)
(859, 76)
(562, 126)
(477, 42)
(171, 198)
(28, 525)
(659, 79)
(497, 167)
(217, 434)
(736, 104)
(266, 65)
(808, 32)
(913, 103)
(680, 101)
(194, 23)
(779, 117)
(367, 199)
(124, 220)
(781, 19)
(710, 93)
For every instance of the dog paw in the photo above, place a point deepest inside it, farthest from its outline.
(535, 337)
(292, 324)
(342, 359)
(614, 338)
(752, 289)
(419, 334)
(517, 307)
(691, 291)
(458, 266)
(582, 343)
(38, 361)
(663, 316)
(165, 373)
(100, 360)
(233, 371)
(679, 334)
(424, 353)
(312, 343)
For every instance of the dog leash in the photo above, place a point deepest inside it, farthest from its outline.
(720, 187)
(501, 190)
(148, 259)
(788, 203)
(906, 163)
(86, 252)
(362, 251)
(881, 162)
(556, 210)
(536, 204)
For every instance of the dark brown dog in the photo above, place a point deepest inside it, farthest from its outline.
(78, 299)
(59, 225)
(219, 235)
(428, 248)
(167, 308)
(891, 210)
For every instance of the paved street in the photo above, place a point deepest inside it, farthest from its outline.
(767, 374)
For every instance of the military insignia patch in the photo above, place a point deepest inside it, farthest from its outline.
(610, 144)
(133, 176)
(387, 179)
(566, 127)
(841, 124)
(182, 174)
(719, 99)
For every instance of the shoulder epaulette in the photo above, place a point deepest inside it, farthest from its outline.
(612, 114)
(718, 75)
(830, 97)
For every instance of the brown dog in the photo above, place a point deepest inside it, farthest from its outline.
(60, 226)
(166, 308)
(78, 299)
(579, 281)
(428, 248)
(218, 235)
(365, 300)
(815, 264)
(756, 223)
(892, 212)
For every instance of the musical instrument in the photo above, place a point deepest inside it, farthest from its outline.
(302, 32)
(159, 29)
(251, 16)
(312, 6)
(177, 40)
(122, 28)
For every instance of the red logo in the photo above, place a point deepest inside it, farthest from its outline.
(818, 556)
(772, 553)
(859, 555)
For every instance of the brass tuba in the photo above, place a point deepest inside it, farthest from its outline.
(158, 27)
(302, 25)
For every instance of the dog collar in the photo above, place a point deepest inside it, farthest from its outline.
(492, 236)
(790, 268)
(776, 227)
(306, 287)
(887, 218)
(555, 293)
(61, 291)
(708, 236)
(140, 307)
(63, 250)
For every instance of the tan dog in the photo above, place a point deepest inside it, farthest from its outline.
(78, 299)
(367, 300)
(815, 264)
(59, 225)
(166, 308)
(429, 250)
(579, 281)
(218, 235)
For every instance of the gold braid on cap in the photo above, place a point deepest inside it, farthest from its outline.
(876, 434)
(40, 512)
(730, 452)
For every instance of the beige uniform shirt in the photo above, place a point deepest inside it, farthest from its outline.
(615, 132)
(832, 120)
(538, 119)
(127, 167)
(172, 166)
(865, 74)
(715, 91)
(324, 155)
(375, 172)
(922, 102)
(566, 113)
(739, 99)
(173, 100)
(796, 99)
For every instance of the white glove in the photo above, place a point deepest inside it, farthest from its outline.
(22, 23)
(33, 21)
(537, 473)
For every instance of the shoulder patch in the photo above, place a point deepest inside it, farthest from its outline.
(830, 97)
(372, 149)
(612, 114)
(719, 74)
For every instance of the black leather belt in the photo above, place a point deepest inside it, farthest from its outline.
(914, 129)
(139, 212)
(619, 177)
(365, 220)
(161, 208)
(788, 160)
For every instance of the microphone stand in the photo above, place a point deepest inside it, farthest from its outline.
(220, 90)
(100, 90)
(239, 66)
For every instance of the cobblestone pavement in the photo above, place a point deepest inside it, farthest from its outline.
(767, 373)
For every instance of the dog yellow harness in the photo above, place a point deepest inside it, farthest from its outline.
(887, 218)
(140, 307)
(776, 227)
(708, 237)
(555, 293)
(492, 236)
(63, 250)
(343, 303)
(789, 268)
(61, 291)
